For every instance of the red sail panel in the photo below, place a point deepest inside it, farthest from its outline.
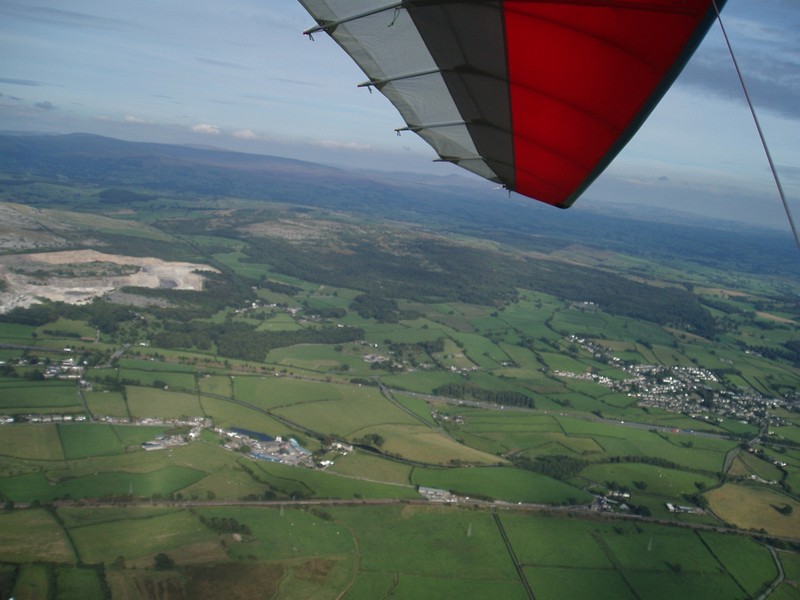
(583, 76)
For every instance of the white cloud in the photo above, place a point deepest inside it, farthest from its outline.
(330, 144)
(245, 134)
(132, 119)
(206, 128)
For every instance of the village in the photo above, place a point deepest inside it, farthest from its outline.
(693, 391)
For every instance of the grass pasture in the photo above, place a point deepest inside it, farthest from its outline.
(216, 384)
(416, 442)
(411, 587)
(423, 382)
(290, 482)
(80, 517)
(151, 402)
(755, 507)
(746, 562)
(429, 541)
(651, 561)
(501, 483)
(36, 441)
(32, 582)
(139, 538)
(69, 327)
(81, 440)
(35, 486)
(16, 332)
(271, 392)
(369, 466)
(161, 379)
(369, 585)
(78, 584)
(480, 350)
(218, 580)
(561, 362)
(694, 452)
(791, 566)
(687, 585)
(355, 410)
(520, 433)
(554, 542)
(32, 536)
(555, 583)
(651, 479)
(418, 406)
(313, 357)
(227, 415)
(154, 366)
(238, 262)
(19, 395)
(580, 322)
(106, 404)
(522, 357)
(286, 533)
(758, 467)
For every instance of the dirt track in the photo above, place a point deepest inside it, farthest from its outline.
(77, 276)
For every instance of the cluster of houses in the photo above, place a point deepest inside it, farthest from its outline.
(613, 500)
(441, 417)
(437, 495)
(66, 369)
(682, 389)
(165, 441)
(43, 418)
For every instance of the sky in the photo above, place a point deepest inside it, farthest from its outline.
(240, 75)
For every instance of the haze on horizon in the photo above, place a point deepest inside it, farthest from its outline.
(241, 76)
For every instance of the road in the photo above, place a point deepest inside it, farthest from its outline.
(579, 512)
(116, 355)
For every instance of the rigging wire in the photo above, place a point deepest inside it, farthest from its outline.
(758, 128)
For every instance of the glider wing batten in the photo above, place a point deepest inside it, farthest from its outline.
(467, 43)
(539, 95)
(389, 47)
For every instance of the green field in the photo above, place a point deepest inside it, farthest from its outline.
(755, 507)
(348, 412)
(31, 441)
(151, 402)
(528, 403)
(650, 561)
(648, 479)
(81, 440)
(293, 483)
(31, 536)
(501, 483)
(137, 538)
(18, 395)
(106, 404)
(35, 486)
(458, 544)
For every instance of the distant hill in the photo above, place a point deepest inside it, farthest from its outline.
(437, 203)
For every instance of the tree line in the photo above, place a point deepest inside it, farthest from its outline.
(467, 391)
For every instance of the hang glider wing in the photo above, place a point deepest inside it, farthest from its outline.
(538, 95)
